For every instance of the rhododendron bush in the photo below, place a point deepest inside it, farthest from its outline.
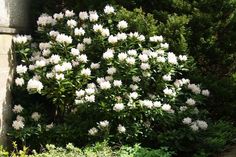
(104, 80)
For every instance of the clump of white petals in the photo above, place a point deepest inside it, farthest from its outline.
(17, 109)
(205, 92)
(79, 31)
(109, 54)
(35, 116)
(93, 131)
(62, 38)
(18, 124)
(166, 107)
(118, 107)
(109, 9)
(112, 39)
(74, 52)
(71, 23)
(103, 124)
(45, 19)
(19, 81)
(58, 16)
(122, 24)
(93, 16)
(83, 15)
(191, 102)
(187, 120)
(86, 72)
(34, 85)
(194, 88)
(156, 39)
(69, 13)
(21, 39)
(21, 69)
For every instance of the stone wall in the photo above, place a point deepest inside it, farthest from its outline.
(6, 73)
(13, 19)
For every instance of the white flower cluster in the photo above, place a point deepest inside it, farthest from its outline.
(62, 38)
(35, 116)
(17, 109)
(19, 81)
(21, 39)
(21, 69)
(87, 95)
(18, 124)
(45, 19)
(34, 85)
(195, 125)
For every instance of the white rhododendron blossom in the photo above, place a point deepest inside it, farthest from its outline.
(93, 131)
(118, 107)
(167, 77)
(183, 57)
(112, 39)
(34, 85)
(87, 41)
(97, 28)
(58, 16)
(21, 69)
(43, 46)
(122, 56)
(122, 24)
(156, 39)
(194, 126)
(17, 109)
(21, 39)
(55, 59)
(121, 36)
(117, 83)
(100, 72)
(45, 19)
(202, 124)
(69, 13)
(79, 31)
(121, 128)
(205, 92)
(19, 81)
(86, 72)
(105, 32)
(18, 124)
(166, 107)
(194, 88)
(109, 9)
(71, 23)
(20, 118)
(83, 15)
(74, 52)
(94, 65)
(93, 16)
(35, 116)
(62, 38)
(105, 85)
(164, 45)
(190, 102)
(108, 54)
(103, 124)
(187, 120)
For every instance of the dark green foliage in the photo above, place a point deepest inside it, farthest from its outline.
(96, 150)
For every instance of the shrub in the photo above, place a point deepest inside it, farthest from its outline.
(96, 150)
(102, 79)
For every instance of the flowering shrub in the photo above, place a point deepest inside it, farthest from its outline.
(105, 80)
